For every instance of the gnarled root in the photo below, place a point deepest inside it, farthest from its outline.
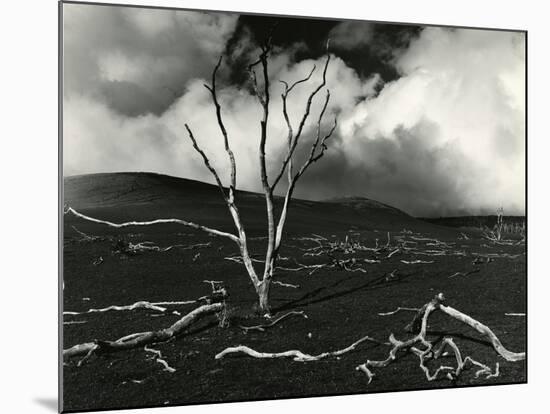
(419, 324)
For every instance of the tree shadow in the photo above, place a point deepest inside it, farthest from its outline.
(373, 284)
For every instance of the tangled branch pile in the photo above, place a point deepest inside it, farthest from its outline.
(418, 345)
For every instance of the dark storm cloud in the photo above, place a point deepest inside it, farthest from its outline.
(137, 60)
(351, 35)
(430, 120)
(404, 171)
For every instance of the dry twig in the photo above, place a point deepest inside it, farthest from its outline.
(262, 328)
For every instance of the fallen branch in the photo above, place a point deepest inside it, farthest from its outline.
(74, 322)
(86, 237)
(158, 358)
(152, 222)
(465, 273)
(399, 309)
(417, 261)
(239, 259)
(344, 264)
(312, 268)
(392, 253)
(461, 363)
(194, 246)
(156, 306)
(419, 324)
(141, 339)
(296, 355)
(497, 255)
(288, 285)
(262, 328)
(485, 331)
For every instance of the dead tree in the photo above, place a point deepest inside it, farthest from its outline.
(261, 279)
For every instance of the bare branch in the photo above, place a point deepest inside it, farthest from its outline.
(296, 138)
(288, 160)
(296, 355)
(233, 210)
(288, 88)
(312, 157)
(206, 162)
(254, 80)
(268, 191)
(152, 222)
(230, 154)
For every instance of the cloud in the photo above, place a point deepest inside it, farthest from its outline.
(446, 137)
(470, 85)
(137, 60)
(351, 34)
(99, 139)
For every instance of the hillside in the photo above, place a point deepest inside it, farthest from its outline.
(128, 196)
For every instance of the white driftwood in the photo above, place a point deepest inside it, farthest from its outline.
(461, 363)
(296, 355)
(142, 304)
(420, 323)
(152, 222)
(485, 331)
(157, 356)
(140, 339)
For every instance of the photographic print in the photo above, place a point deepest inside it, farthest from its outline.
(260, 207)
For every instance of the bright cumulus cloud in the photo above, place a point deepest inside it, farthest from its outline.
(456, 112)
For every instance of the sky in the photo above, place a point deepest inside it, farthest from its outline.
(431, 120)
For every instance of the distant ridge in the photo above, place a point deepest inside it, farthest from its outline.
(145, 196)
(362, 203)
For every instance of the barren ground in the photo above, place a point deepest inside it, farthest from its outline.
(341, 306)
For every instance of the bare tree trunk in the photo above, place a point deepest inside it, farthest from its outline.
(260, 280)
(263, 295)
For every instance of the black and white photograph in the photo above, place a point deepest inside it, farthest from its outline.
(262, 207)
